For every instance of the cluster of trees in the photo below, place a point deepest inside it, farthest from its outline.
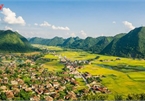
(117, 97)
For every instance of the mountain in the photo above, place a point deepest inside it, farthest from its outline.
(130, 45)
(56, 41)
(84, 44)
(101, 44)
(13, 42)
(37, 40)
(89, 42)
(68, 42)
(109, 49)
(124, 44)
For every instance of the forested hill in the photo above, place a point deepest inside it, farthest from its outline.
(13, 42)
(124, 44)
(130, 45)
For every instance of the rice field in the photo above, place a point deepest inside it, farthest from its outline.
(51, 56)
(48, 47)
(79, 55)
(53, 66)
(123, 81)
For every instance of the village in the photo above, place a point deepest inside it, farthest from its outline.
(23, 77)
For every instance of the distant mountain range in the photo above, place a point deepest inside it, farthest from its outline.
(130, 44)
(13, 42)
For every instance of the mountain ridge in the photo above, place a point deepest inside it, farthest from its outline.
(129, 44)
(13, 42)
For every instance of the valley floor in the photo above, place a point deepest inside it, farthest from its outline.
(122, 75)
(66, 74)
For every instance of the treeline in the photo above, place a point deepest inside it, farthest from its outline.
(117, 97)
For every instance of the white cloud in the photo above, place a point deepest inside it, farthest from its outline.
(45, 24)
(83, 33)
(128, 25)
(60, 28)
(114, 22)
(73, 35)
(10, 17)
(8, 28)
(35, 24)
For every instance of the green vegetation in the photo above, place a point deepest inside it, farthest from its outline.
(98, 47)
(125, 45)
(54, 66)
(123, 77)
(130, 45)
(36, 40)
(120, 80)
(13, 42)
(50, 48)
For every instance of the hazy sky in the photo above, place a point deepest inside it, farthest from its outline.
(66, 18)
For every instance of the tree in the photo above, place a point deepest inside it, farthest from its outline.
(3, 96)
(118, 97)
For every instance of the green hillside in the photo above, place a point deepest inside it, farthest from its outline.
(13, 42)
(67, 43)
(56, 41)
(37, 40)
(130, 45)
(98, 47)
(109, 49)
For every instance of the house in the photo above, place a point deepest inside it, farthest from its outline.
(71, 96)
(74, 82)
(46, 92)
(35, 98)
(14, 82)
(51, 89)
(28, 89)
(24, 86)
(61, 88)
(3, 88)
(56, 84)
(48, 98)
(62, 60)
(16, 91)
(93, 83)
(48, 85)
(118, 59)
(20, 81)
(55, 95)
(5, 80)
(9, 94)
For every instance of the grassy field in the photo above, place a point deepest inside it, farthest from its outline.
(81, 84)
(126, 79)
(116, 81)
(47, 47)
(119, 81)
(54, 66)
(51, 56)
(111, 60)
(79, 55)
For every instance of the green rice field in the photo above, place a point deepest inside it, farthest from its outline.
(123, 76)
